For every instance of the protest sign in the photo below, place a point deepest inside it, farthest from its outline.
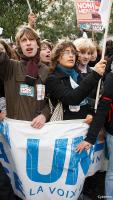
(88, 16)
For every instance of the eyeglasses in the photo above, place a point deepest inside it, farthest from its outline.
(67, 53)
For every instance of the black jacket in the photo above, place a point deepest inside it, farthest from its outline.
(101, 116)
(1, 89)
(58, 88)
(80, 78)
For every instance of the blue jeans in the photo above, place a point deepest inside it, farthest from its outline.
(109, 174)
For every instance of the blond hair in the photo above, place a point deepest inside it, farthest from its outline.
(85, 44)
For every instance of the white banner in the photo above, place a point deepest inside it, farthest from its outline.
(43, 164)
(105, 6)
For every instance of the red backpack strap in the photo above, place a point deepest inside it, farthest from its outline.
(106, 98)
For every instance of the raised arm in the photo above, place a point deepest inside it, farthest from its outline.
(5, 66)
(60, 91)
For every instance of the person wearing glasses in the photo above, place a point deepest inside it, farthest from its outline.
(62, 85)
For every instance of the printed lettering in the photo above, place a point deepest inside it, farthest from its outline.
(3, 154)
(58, 160)
(18, 184)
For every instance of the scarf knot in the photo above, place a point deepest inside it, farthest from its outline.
(69, 71)
(31, 65)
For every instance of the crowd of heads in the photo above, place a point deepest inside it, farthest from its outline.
(86, 50)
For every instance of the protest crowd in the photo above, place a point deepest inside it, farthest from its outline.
(36, 76)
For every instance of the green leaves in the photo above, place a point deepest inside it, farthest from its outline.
(56, 18)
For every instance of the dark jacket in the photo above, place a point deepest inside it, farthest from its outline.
(92, 95)
(101, 116)
(18, 106)
(58, 88)
(2, 88)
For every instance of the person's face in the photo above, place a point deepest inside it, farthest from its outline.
(2, 48)
(84, 57)
(67, 57)
(45, 54)
(94, 55)
(32, 18)
(28, 46)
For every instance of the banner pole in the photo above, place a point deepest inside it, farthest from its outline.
(103, 53)
(29, 6)
(93, 35)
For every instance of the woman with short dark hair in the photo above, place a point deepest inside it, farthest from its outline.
(61, 84)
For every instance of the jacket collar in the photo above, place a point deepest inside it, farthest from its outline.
(61, 74)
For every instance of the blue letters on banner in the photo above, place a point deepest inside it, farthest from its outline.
(57, 165)
(59, 157)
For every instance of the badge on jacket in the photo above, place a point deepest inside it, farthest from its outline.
(40, 91)
(26, 90)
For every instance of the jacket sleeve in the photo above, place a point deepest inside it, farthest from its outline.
(46, 111)
(55, 87)
(102, 111)
(5, 66)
